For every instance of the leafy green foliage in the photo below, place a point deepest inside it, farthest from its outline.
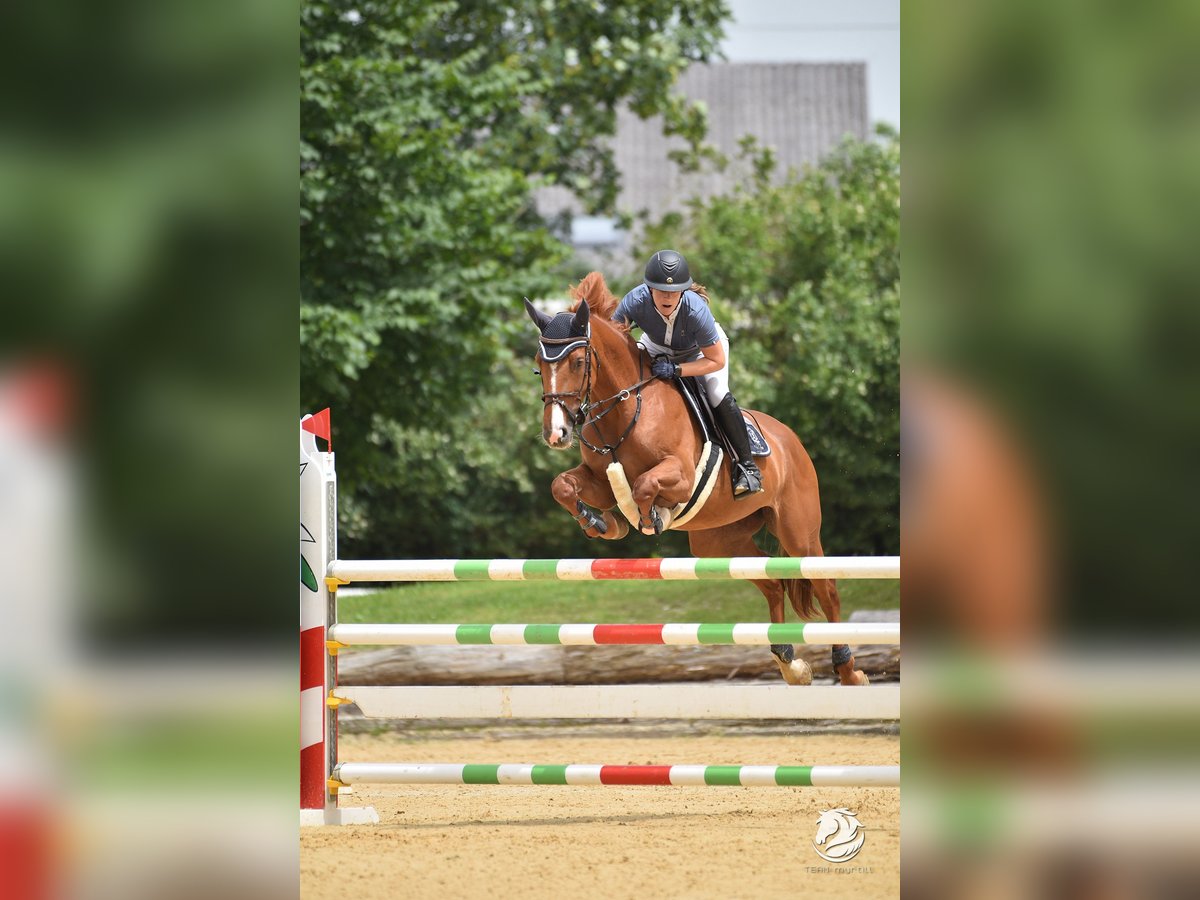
(424, 128)
(805, 278)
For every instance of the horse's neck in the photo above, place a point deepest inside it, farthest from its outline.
(620, 368)
(618, 363)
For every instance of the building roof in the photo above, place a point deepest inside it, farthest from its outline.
(800, 110)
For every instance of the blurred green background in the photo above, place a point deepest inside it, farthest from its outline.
(147, 245)
(1052, 199)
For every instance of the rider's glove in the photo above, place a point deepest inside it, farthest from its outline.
(664, 368)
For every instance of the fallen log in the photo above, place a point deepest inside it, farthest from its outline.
(553, 664)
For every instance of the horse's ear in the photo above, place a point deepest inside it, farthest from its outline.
(580, 323)
(540, 319)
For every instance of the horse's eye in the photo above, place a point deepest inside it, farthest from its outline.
(537, 372)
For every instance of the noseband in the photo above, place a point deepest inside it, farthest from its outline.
(555, 349)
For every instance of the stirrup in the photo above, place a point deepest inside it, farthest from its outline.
(746, 482)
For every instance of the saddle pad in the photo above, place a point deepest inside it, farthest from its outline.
(758, 446)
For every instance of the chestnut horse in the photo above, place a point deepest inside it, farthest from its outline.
(596, 384)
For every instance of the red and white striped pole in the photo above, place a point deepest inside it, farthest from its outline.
(318, 669)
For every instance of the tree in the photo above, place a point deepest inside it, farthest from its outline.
(805, 278)
(424, 129)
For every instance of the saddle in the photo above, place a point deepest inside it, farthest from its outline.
(696, 399)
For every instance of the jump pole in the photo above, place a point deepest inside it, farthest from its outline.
(524, 774)
(693, 700)
(683, 569)
(745, 633)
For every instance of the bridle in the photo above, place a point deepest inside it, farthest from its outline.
(552, 350)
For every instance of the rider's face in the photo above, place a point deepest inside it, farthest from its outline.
(665, 301)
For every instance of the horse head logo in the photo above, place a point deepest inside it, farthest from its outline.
(839, 835)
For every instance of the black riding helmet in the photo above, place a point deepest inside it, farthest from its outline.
(668, 271)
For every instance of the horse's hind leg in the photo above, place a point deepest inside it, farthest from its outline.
(831, 604)
(737, 539)
(801, 538)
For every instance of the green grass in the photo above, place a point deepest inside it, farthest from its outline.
(590, 601)
(238, 748)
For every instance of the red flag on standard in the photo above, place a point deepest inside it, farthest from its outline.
(318, 424)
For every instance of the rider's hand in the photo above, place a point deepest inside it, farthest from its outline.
(664, 368)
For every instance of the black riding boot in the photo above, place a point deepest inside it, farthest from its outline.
(747, 479)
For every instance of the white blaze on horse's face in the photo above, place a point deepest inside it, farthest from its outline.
(558, 431)
(564, 378)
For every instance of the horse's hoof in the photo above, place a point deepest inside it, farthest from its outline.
(619, 530)
(857, 677)
(654, 525)
(795, 672)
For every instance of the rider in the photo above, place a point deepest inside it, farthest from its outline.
(680, 332)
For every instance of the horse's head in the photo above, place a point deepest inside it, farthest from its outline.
(564, 359)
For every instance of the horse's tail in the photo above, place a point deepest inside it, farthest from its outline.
(800, 593)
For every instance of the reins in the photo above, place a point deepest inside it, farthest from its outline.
(613, 402)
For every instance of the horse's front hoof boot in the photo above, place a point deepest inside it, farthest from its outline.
(589, 518)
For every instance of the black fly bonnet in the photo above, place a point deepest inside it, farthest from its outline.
(561, 336)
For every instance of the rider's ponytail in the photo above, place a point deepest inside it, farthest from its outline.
(701, 290)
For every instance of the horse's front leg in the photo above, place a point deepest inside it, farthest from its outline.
(577, 491)
(669, 484)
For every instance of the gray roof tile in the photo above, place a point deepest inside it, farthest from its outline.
(800, 110)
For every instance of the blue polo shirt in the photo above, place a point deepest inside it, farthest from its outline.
(695, 326)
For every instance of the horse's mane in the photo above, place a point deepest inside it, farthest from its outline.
(601, 300)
